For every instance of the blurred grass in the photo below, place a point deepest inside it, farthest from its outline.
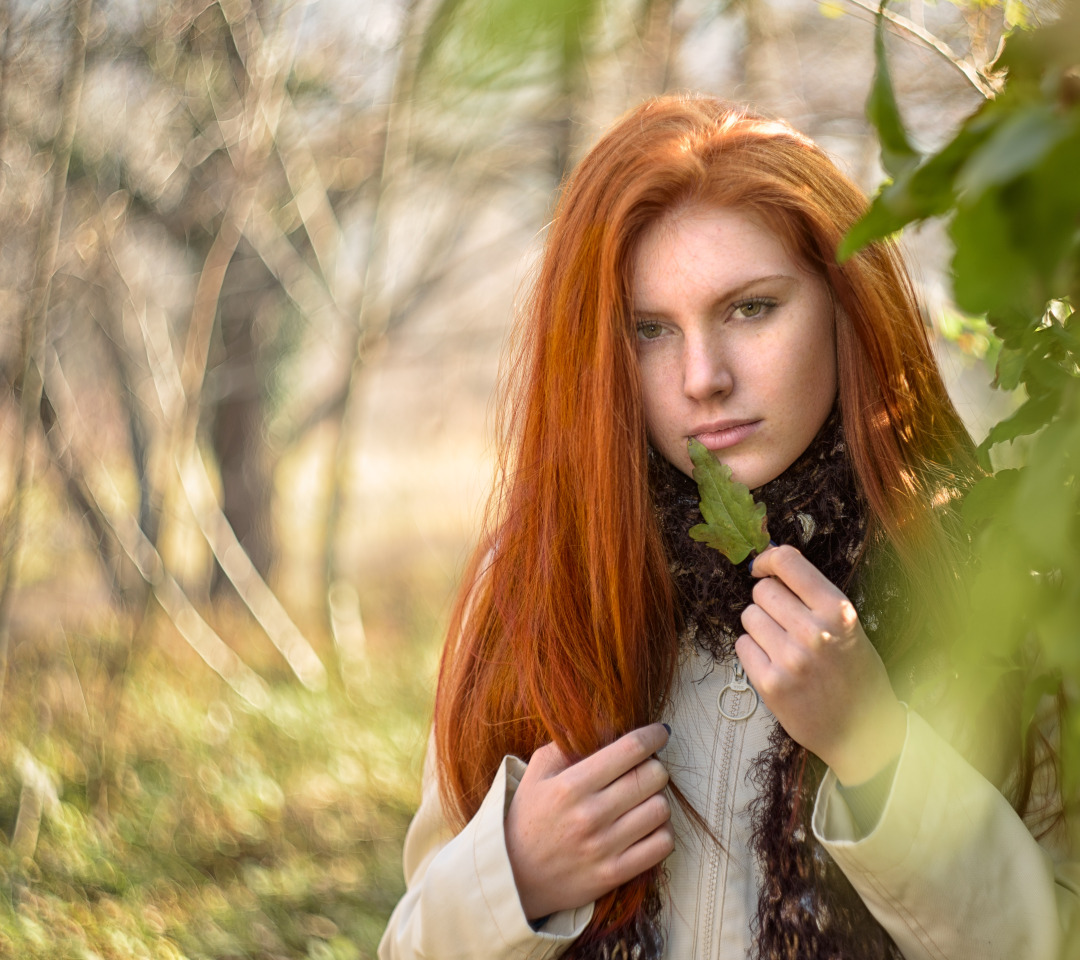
(188, 825)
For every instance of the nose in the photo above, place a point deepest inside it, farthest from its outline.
(707, 368)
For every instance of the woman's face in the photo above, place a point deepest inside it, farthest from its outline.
(736, 342)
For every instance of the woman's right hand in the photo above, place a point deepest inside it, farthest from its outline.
(576, 831)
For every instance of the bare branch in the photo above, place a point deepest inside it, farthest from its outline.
(99, 532)
(154, 335)
(207, 296)
(38, 796)
(439, 268)
(285, 133)
(988, 86)
(309, 194)
(279, 112)
(349, 637)
(248, 151)
(109, 507)
(306, 288)
(237, 566)
(230, 554)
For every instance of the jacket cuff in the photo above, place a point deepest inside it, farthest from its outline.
(908, 808)
(562, 927)
(485, 877)
(866, 800)
(944, 828)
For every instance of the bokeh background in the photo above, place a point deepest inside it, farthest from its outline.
(259, 263)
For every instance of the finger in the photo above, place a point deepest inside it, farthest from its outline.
(631, 789)
(640, 821)
(646, 853)
(769, 635)
(605, 766)
(755, 661)
(776, 599)
(804, 580)
(547, 761)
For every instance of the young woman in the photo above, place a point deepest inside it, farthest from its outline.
(641, 749)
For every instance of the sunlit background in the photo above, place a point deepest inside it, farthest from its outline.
(268, 310)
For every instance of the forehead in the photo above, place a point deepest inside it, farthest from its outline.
(705, 247)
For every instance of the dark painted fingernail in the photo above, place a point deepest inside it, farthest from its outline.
(753, 559)
(667, 728)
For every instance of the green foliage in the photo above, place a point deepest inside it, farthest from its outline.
(734, 523)
(972, 336)
(502, 43)
(1010, 183)
(897, 153)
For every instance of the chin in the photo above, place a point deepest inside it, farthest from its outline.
(754, 475)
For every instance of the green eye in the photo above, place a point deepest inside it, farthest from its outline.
(753, 309)
(649, 330)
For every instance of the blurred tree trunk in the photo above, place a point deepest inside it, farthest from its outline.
(762, 67)
(33, 322)
(6, 47)
(237, 418)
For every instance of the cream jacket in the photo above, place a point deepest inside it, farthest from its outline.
(949, 869)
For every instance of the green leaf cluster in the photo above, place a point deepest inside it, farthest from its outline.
(734, 522)
(1009, 182)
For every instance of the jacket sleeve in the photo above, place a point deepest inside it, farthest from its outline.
(460, 899)
(949, 869)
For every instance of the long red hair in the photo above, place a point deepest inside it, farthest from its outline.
(565, 628)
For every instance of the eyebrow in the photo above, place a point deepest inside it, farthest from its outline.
(724, 297)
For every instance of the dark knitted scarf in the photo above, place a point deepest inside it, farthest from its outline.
(807, 909)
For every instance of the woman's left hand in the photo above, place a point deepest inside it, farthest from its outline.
(806, 654)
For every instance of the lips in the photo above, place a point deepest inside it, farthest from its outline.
(725, 433)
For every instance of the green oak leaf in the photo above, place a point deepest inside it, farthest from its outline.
(734, 523)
